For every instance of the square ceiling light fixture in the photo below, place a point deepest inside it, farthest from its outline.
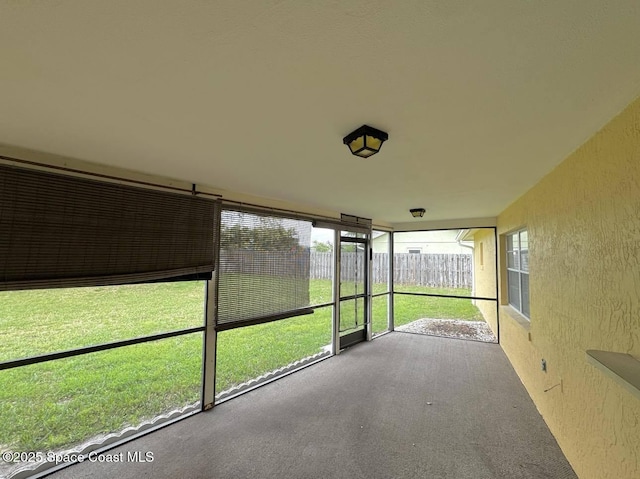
(365, 141)
(417, 212)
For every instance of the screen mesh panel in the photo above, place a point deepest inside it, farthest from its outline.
(264, 268)
(352, 269)
(352, 314)
(63, 231)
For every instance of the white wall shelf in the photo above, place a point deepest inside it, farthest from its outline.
(622, 368)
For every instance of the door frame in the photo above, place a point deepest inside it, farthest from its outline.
(339, 341)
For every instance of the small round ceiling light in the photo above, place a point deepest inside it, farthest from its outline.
(366, 141)
(417, 212)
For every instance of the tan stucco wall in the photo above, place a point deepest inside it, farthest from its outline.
(484, 275)
(584, 229)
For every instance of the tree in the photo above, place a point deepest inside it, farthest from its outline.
(268, 235)
(321, 247)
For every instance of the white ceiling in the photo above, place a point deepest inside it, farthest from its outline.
(480, 99)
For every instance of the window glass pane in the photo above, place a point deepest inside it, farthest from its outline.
(246, 353)
(525, 294)
(512, 260)
(512, 242)
(513, 279)
(524, 255)
(524, 250)
(49, 320)
(524, 239)
(60, 404)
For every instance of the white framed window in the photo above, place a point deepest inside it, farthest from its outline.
(518, 270)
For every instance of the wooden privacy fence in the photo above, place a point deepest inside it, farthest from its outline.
(433, 270)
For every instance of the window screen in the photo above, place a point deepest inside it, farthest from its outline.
(264, 268)
(64, 231)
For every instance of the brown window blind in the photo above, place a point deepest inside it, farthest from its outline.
(63, 231)
(264, 268)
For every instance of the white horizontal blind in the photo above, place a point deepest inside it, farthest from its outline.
(264, 268)
(63, 231)
(518, 270)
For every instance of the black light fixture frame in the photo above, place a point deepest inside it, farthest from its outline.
(366, 130)
(417, 212)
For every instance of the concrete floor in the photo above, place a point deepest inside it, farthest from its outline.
(401, 406)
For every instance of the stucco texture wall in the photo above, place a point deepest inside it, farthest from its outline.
(584, 230)
(484, 275)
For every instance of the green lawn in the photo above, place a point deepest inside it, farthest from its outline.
(44, 321)
(58, 403)
(410, 308)
(64, 402)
